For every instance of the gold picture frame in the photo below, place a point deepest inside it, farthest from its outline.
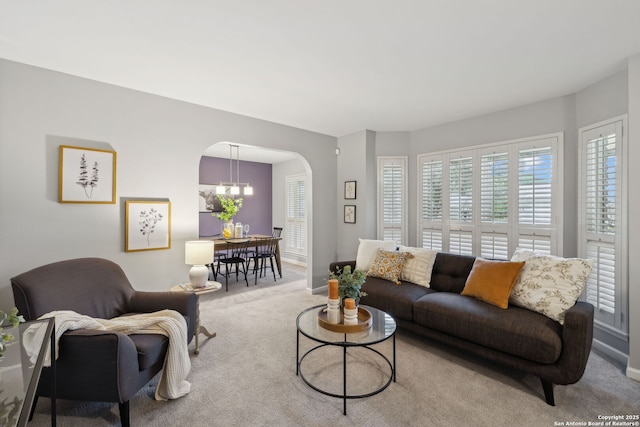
(147, 225)
(86, 175)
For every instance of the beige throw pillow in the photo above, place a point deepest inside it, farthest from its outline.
(418, 269)
(547, 284)
(368, 249)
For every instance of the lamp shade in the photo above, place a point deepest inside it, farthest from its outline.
(198, 252)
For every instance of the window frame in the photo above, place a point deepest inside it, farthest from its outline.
(477, 227)
(292, 223)
(616, 323)
(401, 161)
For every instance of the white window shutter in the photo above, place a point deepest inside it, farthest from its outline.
(392, 182)
(601, 230)
(535, 167)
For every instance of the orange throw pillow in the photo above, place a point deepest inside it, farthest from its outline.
(492, 281)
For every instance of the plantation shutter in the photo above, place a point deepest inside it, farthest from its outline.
(494, 205)
(534, 178)
(432, 203)
(536, 224)
(487, 200)
(601, 232)
(461, 219)
(296, 229)
(461, 190)
(393, 178)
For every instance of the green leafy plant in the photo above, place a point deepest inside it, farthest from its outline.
(12, 318)
(349, 282)
(230, 208)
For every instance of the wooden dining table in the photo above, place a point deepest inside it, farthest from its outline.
(255, 240)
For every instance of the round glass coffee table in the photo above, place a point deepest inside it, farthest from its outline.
(382, 328)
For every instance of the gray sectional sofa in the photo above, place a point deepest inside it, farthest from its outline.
(514, 337)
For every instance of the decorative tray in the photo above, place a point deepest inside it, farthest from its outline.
(364, 321)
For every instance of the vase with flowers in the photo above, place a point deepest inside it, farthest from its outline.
(230, 207)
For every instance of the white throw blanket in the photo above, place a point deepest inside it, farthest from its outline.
(169, 323)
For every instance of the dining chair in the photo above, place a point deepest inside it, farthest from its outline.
(235, 255)
(265, 249)
(277, 232)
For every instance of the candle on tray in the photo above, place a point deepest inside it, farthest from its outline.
(349, 303)
(333, 288)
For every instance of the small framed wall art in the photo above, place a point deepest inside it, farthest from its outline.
(350, 214)
(208, 199)
(148, 225)
(86, 175)
(349, 190)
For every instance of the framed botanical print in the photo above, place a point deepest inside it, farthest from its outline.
(86, 175)
(148, 225)
(350, 214)
(349, 190)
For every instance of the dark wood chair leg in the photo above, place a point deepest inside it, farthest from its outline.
(124, 414)
(547, 386)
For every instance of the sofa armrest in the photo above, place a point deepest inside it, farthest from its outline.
(334, 266)
(577, 336)
(182, 302)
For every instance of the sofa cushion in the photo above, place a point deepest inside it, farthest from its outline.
(450, 272)
(418, 269)
(388, 265)
(397, 300)
(514, 330)
(492, 281)
(368, 249)
(549, 284)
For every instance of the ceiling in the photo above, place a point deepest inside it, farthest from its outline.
(331, 66)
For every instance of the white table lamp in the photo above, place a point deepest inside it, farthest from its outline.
(198, 253)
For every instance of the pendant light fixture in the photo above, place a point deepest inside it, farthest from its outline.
(233, 187)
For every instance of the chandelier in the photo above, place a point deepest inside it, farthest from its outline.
(233, 187)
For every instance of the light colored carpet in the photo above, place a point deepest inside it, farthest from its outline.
(246, 377)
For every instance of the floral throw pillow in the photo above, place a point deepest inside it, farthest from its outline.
(547, 284)
(388, 265)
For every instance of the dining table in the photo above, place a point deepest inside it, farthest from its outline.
(255, 240)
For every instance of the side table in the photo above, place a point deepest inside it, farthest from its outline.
(210, 287)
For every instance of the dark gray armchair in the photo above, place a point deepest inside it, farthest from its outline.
(96, 365)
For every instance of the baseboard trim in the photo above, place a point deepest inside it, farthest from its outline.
(320, 290)
(633, 373)
(611, 352)
(294, 262)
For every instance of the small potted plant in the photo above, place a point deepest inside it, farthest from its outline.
(14, 319)
(349, 283)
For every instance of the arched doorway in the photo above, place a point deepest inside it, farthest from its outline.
(270, 173)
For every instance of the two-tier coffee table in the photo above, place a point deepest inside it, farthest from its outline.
(383, 327)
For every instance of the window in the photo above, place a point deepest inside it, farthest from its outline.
(601, 219)
(296, 229)
(487, 200)
(392, 204)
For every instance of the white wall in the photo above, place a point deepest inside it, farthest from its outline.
(633, 367)
(356, 162)
(550, 116)
(159, 143)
